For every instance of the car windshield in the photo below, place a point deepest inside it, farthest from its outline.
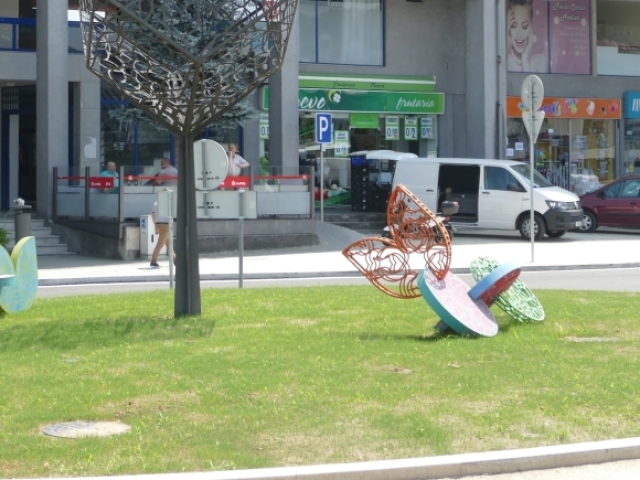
(525, 172)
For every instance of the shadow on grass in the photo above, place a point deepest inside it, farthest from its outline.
(505, 325)
(66, 335)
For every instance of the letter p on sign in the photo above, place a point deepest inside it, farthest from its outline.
(323, 128)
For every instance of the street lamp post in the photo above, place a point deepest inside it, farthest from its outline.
(184, 63)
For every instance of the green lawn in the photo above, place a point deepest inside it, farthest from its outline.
(296, 376)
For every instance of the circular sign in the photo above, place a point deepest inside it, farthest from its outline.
(532, 93)
(210, 164)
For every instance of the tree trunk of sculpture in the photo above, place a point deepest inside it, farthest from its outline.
(187, 293)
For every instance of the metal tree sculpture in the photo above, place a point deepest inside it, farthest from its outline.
(184, 63)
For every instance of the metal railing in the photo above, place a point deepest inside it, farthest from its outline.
(92, 197)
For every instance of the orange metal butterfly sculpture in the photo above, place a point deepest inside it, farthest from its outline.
(414, 229)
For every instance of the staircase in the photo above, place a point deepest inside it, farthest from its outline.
(46, 242)
(367, 223)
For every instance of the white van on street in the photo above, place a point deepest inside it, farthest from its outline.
(492, 194)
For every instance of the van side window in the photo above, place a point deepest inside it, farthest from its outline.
(497, 178)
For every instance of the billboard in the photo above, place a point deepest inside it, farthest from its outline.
(548, 36)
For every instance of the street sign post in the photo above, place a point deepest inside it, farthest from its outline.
(324, 136)
(532, 95)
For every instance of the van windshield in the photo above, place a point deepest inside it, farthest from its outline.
(525, 172)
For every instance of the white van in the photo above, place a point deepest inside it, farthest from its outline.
(492, 194)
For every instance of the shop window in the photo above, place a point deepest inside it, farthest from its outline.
(568, 152)
(343, 32)
(618, 34)
(548, 37)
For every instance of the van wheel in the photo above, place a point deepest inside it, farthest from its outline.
(538, 226)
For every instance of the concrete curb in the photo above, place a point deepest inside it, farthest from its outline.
(48, 282)
(429, 468)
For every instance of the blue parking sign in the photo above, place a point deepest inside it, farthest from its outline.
(323, 128)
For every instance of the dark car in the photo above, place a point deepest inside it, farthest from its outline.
(616, 204)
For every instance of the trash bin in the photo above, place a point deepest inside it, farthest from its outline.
(22, 221)
(148, 237)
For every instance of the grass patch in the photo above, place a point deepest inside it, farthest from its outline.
(296, 376)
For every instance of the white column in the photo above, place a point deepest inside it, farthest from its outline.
(86, 123)
(481, 78)
(52, 108)
(283, 107)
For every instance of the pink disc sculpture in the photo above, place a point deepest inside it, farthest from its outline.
(450, 299)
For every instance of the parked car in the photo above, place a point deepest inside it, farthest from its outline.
(616, 204)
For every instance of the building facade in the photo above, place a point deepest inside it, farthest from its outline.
(434, 77)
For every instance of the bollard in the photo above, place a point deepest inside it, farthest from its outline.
(22, 221)
(241, 239)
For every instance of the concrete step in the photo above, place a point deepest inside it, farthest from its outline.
(47, 250)
(9, 224)
(362, 226)
(36, 232)
(42, 240)
(46, 242)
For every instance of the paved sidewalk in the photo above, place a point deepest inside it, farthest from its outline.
(326, 259)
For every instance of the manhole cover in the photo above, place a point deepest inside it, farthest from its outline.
(85, 429)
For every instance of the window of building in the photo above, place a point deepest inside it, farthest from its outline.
(618, 38)
(345, 32)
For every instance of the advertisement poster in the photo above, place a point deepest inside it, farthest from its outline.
(410, 128)
(527, 36)
(392, 128)
(548, 36)
(264, 127)
(569, 37)
(426, 128)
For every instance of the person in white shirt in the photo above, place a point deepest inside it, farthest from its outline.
(167, 170)
(236, 162)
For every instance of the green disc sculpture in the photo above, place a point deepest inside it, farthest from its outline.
(518, 301)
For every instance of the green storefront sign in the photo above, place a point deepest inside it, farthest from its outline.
(364, 120)
(338, 100)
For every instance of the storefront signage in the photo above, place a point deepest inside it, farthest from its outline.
(411, 128)
(426, 128)
(264, 127)
(587, 108)
(392, 128)
(632, 105)
(366, 101)
(363, 120)
(357, 82)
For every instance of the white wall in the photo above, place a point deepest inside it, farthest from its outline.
(9, 8)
